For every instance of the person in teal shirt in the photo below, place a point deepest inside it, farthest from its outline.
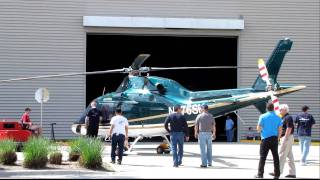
(270, 127)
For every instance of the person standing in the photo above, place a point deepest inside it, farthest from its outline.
(92, 120)
(205, 131)
(304, 122)
(229, 129)
(118, 133)
(270, 127)
(178, 131)
(286, 141)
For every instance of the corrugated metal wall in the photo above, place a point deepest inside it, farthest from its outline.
(40, 37)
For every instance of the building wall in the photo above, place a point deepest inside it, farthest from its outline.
(40, 38)
(47, 37)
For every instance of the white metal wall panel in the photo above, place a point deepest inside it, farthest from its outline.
(39, 37)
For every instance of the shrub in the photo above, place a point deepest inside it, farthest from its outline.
(55, 158)
(8, 155)
(74, 156)
(36, 153)
(91, 153)
(74, 152)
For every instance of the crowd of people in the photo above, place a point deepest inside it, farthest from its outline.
(273, 129)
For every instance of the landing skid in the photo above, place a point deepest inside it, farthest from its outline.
(162, 148)
(134, 143)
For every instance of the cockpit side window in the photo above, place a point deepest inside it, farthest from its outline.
(124, 85)
(106, 113)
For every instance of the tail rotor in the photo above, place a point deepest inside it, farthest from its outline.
(265, 77)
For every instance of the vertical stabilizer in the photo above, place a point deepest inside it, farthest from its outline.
(273, 65)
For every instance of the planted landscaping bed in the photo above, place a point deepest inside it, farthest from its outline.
(8, 155)
(39, 151)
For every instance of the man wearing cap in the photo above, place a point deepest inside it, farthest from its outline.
(304, 122)
(205, 131)
(178, 130)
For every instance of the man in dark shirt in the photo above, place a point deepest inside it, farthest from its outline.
(305, 122)
(178, 130)
(286, 141)
(92, 120)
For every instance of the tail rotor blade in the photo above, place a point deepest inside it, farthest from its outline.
(276, 103)
(265, 76)
(263, 71)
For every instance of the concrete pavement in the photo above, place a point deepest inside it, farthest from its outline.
(231, 160)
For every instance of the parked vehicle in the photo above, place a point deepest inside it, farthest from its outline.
(12, 129)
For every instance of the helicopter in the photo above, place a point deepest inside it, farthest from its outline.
(147, 100)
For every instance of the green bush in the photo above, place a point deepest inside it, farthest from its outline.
(55, 158)
(74, 152)
(8, 155)
(74, 156)
(36, 152)
(91, 153)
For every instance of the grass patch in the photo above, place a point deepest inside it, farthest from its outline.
(91, 153)
(74, 153)
(8, 154)
(55, 156)
(36, 152)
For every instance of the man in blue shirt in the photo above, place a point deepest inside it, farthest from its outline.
(305, 122)
(178, 130)
(229, 129)
(270, 126)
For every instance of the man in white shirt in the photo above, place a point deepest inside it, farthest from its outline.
(118, 133)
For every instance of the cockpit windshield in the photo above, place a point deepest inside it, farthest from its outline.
(132, 82)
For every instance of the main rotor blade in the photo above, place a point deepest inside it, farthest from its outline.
(138, 61)
(63, 75)
(208, 67)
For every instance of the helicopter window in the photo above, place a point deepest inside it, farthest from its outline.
(161, 88)
(105, 110)
(124, 85)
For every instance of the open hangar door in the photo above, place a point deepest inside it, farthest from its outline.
(106, 51)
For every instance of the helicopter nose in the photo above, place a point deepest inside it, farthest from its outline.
(78, 128)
